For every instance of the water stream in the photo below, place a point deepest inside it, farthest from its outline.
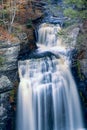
(47, 95)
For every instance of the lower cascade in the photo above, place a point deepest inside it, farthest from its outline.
(47, 95)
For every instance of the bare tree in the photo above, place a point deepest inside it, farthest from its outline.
(13, 8)
(11, 12)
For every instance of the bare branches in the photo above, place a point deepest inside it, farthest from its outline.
(13, 8)
(8, 11)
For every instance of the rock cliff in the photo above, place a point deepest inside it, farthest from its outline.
(10, 52)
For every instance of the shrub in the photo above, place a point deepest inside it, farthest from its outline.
(76, 9)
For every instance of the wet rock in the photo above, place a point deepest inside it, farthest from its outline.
(55, 20)
(37, 54)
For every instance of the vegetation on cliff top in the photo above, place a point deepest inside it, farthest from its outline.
(76, 9)
(16, 13)
(22, 12)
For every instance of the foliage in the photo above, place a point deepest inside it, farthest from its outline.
(71, 13)
(76, 9)
(61, 32)
(8, 13)
(12, 93)
(1, 61)
(81, 38)
(14, 15)
(4, 11)
(1, 22)
(69, 23)
(77, 3)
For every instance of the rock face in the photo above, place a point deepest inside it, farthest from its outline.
(5, 84)
(9, 55)
(80, 68)
(82, 46)
(5, 106)
(6, 112)
(70, 36)
(83, 64)
(8, 69)
(75, 37)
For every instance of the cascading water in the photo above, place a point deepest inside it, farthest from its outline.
(47, 34)
(47, 96)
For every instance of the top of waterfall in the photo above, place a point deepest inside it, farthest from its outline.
(48, 34)
(49, 25)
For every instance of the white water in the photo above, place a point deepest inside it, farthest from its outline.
(47, 96)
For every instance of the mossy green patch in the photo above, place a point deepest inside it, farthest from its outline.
(1, 61)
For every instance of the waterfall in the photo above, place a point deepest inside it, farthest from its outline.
(47, 95)
(47, 34)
